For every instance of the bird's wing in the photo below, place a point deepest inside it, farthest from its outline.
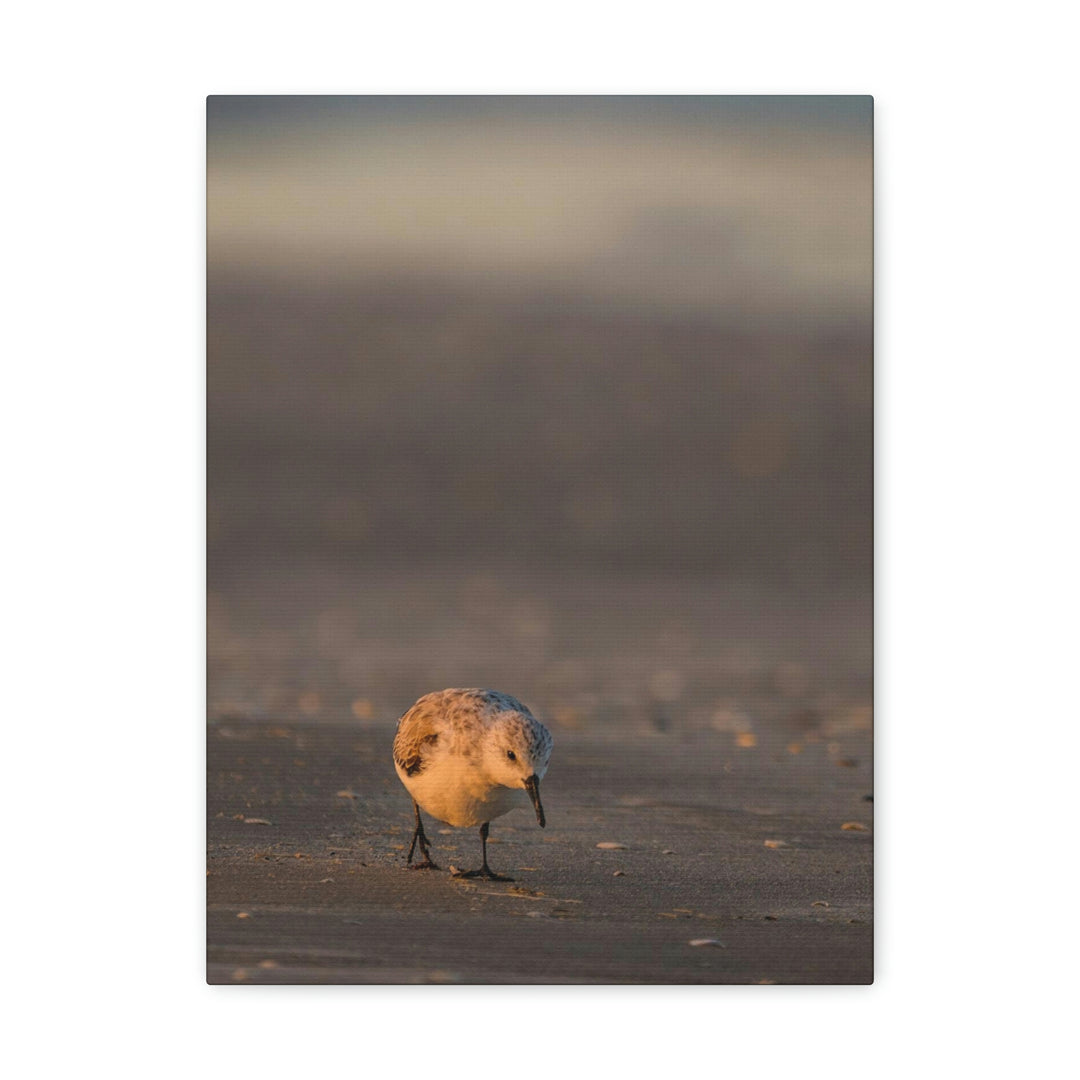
(417, 733)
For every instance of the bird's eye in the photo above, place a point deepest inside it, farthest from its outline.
(511, 755)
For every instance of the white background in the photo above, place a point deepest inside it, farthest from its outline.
(103, 490)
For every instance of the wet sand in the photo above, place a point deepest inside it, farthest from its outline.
(744, 846)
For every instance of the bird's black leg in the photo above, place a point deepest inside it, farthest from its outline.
(418, 835)
(485, 871)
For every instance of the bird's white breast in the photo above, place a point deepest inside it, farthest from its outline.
(453, 789)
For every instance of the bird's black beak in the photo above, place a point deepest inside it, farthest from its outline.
(532, 786)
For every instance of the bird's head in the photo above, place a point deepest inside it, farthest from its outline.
(517, 756)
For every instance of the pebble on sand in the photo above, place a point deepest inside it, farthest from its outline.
(855, 826)
(607, 845)
(775, 843)
(707, 941)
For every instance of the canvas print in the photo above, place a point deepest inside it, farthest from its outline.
(539, 539)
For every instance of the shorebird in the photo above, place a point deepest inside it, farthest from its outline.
(466, 757)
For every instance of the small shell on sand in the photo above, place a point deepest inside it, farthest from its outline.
(441, 976)
(707, 941)
(856, 826)
(775, 843)
(610, 845)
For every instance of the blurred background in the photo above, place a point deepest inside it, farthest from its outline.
(568, 396)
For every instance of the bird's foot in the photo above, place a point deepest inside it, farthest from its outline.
(427, 864)
(484, 872)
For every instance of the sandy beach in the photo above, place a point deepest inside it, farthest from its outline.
(763, 850)
(571, 398)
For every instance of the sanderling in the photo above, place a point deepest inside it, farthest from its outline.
(467, 756)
